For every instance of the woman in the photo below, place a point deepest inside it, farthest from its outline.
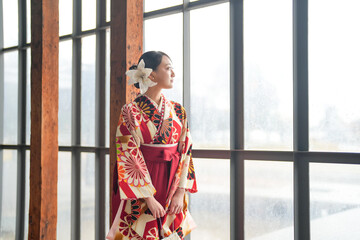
(154, 164)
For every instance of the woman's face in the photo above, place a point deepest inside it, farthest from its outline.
(164, 74)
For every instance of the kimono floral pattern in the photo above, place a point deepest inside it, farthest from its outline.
(139, 123)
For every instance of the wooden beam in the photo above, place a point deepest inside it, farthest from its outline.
(126, 49)
(44, 119)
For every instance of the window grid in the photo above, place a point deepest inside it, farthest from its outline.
(301, 156)
(76, 149)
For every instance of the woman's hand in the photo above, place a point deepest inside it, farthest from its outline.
(181, 146)
(177, 202)
(155, 207)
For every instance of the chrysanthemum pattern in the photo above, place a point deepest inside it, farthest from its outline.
(134, 149)
(191, 172)
(125, 228)
(135, 170)
(129, 118)
(137, 113)
(152, 234)
(121, 172)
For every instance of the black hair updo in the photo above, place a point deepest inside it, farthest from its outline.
(152, 59)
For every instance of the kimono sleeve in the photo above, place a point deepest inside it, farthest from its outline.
(133, 176)
(187, 175)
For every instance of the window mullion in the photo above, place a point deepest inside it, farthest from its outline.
(100, 113)
(301, 119)
(76, 125)
(21, 157)
(237, 193)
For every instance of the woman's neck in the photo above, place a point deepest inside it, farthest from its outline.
(154, 94)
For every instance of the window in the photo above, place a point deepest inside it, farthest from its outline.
(76, 92)
(266, 134)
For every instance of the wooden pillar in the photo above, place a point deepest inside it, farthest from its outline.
(126, 49)
(44, 119)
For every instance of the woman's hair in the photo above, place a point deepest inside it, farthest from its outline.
(152, 59)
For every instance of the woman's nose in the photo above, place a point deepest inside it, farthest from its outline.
(172, 73)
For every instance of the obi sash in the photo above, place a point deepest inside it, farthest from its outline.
(162, 162)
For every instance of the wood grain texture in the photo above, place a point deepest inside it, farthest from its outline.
(44, 119)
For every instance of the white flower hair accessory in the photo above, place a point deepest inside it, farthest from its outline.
(141, 75)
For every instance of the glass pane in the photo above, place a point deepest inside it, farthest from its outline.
(334, 201)
(65, 92)
(171, 43)
(151, 5)
(11, 97)
(10, 21)
(88, 14)
(28, 21)
(28, 95)
(65, 17)
(210, 206)
(334, 75)
(107, 193)
(88, 91)
(107, 89)
(210, 77)
(8, 208)
(108, 10)
(269, 200)
(27, 194)
(268, 74)
(64, 196)
(87, 196)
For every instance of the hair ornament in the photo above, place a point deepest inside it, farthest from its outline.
(141, 75)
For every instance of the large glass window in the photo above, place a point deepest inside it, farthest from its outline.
(28, 95)
(65, 17)
(334, 76)
(88, 91)
(65, 92)
(27, 194)
(151, 5)
(269, 200)
(64, 196)
(88, 14)
(10, 21)
(268, 74)
(335, 201)
(87, 196)
(11, 97)
(209, 77)
(196, 36)
(76, 58)
(8, 186)
(210, 207)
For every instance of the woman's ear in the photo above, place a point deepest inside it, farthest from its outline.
(152, 76)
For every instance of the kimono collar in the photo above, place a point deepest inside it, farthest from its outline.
(162, 101)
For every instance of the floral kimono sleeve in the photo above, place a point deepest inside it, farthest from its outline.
(187, 173)
(133, 176)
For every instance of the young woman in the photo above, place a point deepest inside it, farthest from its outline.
(154, 163)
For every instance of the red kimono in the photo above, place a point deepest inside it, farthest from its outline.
(149, 164)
